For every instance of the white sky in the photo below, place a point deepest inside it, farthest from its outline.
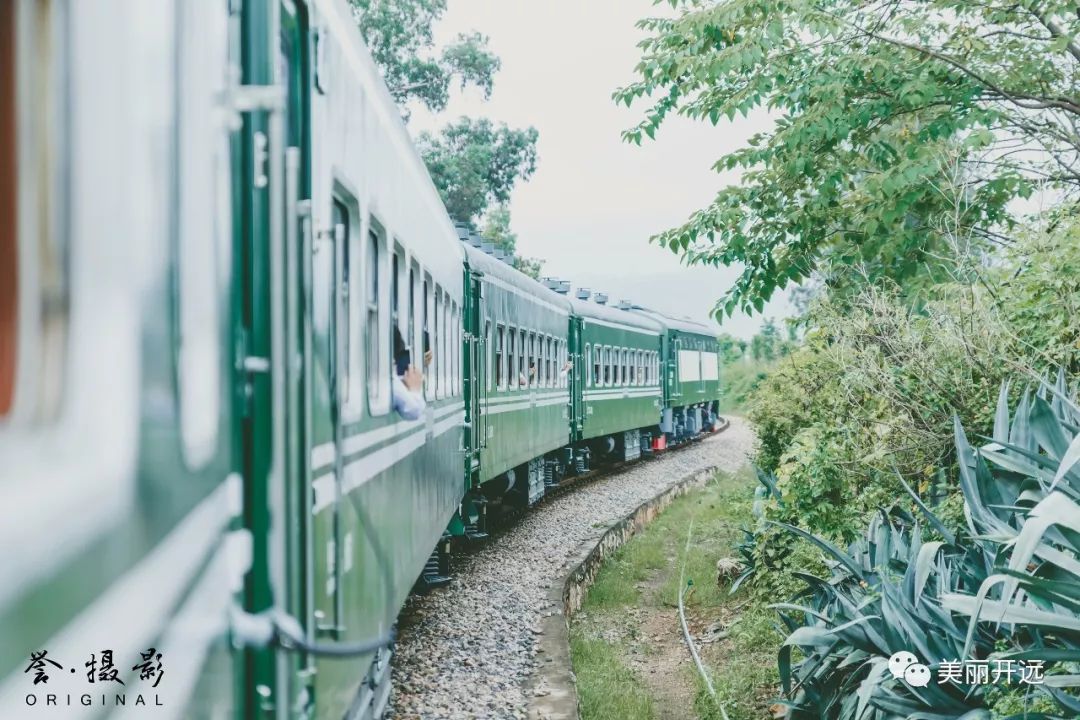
(594, 200)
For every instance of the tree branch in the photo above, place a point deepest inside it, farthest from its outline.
(1056, 30)
(1028, 102)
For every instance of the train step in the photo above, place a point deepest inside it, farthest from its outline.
(436, 572)
(474, 533)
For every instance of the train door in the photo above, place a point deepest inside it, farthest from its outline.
(271, 187)
(290, 53)
(577, 378)
(475, 371)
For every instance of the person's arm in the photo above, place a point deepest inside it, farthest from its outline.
(406, 390)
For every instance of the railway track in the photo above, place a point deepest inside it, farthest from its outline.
(465, 651)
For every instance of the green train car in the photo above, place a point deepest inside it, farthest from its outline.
(216, 492)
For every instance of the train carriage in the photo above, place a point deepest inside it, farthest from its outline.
(120, 496)
(620, 395)
(382, 281)
(522, 391)
(203, 300)
(691, 376)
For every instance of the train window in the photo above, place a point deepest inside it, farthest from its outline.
(34, 265)
(559, 364)
(427, 306)
(535, 372)
(415, 336)
(547, 361)
(607, 366)
(203, 233)
(9, 183)
(330, 312)
(594, 370)
(345, 214)
(487, 354)
(522, 378)
(511, 362)
(500, 357)
(439, 340)
(396, 269)
(621, 360)
(456, 317)
(436, 342)
(542, 352)
(373, 341)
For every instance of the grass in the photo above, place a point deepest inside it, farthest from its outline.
(607, 688)
(642, 579)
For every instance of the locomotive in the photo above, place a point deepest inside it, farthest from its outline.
(217, 243)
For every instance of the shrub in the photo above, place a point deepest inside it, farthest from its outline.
(1004, 587)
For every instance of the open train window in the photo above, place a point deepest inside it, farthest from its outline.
(427, 306)
(487, 353)
(34, 255)
(413, 337)
(455, 320)
(607, 365)
(345, 223)
(533, 371)
(9, 183)
(500, 357)
(547, 361)
(522, 378)
(439, 341)
(511, 354)
(378, 374)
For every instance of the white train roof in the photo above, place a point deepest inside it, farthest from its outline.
(680, 324)
(590, 309)
(505, 274)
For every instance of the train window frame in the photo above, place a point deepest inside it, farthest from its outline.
(456, 349)
(439, 341)
(511, 357)
(350, 331)
(548, 375)
(500, 356)
(377, 315)
(398, 278)
(532, 372)
(522, 358)
(415, 336)
(427, 330)
(487, 354)
(203, 236)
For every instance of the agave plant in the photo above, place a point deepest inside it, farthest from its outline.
(1005, 589)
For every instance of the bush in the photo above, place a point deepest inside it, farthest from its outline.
(872, 392)
(1006, 586)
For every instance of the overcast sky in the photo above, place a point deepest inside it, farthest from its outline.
(594, 200)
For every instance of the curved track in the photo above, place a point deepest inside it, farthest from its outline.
(465, 651)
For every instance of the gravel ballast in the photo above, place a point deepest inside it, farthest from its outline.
(465, 651)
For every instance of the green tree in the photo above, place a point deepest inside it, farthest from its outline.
(474, 164)
(496, 230)
(399, 35)
(902, 130)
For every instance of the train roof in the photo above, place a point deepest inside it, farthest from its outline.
(680, 324)
(613, 314)
(507, 274)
